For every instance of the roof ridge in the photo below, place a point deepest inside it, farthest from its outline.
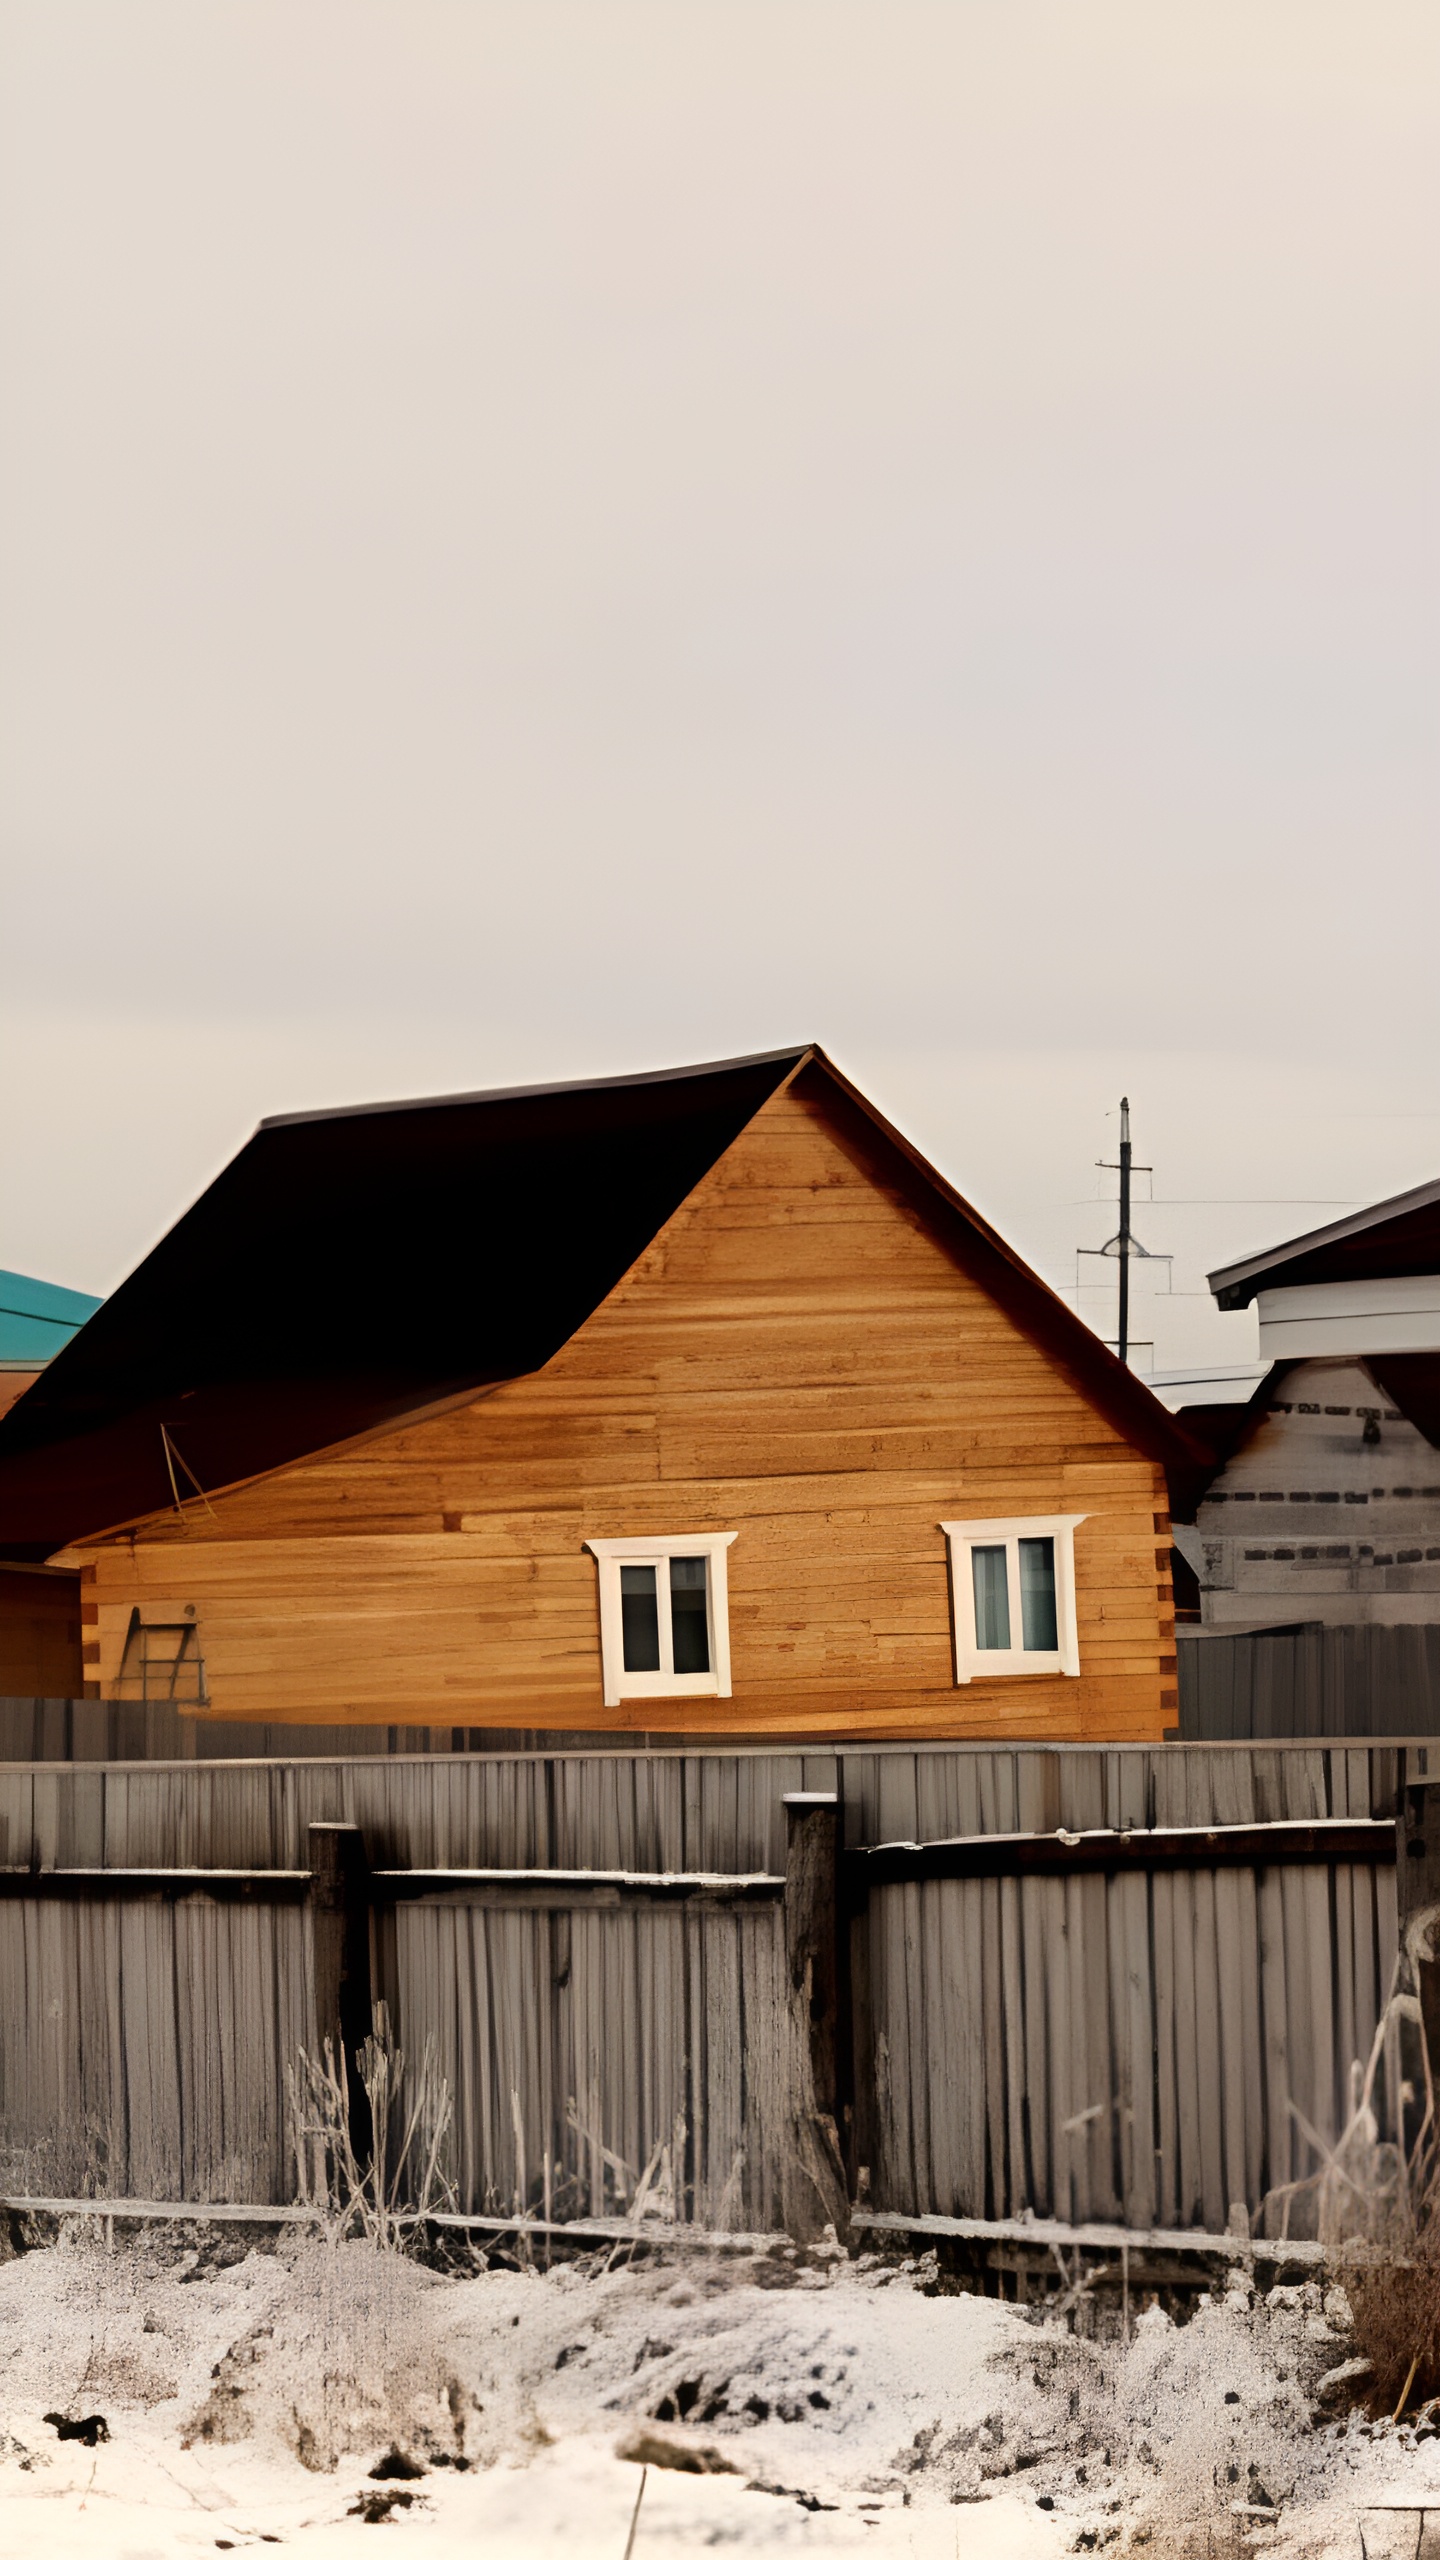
(538, 1092)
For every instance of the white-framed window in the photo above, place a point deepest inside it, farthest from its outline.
(664, 1616)
(1013, 1588)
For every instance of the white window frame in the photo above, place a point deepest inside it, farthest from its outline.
(610, 1554)
(973, 1663)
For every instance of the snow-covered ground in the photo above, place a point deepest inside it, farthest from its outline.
(820, 2408)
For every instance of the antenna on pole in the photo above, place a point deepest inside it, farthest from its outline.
(1123, 1244)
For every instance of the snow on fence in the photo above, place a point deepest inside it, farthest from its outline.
(1121, 1984)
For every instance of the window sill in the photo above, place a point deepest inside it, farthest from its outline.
(1053, 1668)
(646, 1684)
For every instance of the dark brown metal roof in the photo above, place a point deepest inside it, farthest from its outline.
(353, 1267)
(350, 1267)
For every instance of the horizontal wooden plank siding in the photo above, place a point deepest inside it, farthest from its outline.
(798, 1359)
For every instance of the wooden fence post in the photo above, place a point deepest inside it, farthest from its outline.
(340, 1939)
(813, 2188)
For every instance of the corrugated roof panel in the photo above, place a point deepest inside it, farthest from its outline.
(38, 1318)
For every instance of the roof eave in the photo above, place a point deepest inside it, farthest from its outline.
(1123, 1398)
(1238, 1282)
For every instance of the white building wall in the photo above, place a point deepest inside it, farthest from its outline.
(1315, 1519)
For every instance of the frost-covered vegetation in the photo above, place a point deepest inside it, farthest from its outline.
(772, 2403)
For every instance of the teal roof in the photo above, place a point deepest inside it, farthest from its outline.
(37, 1319)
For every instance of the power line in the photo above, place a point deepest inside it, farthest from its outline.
(1162, 1201)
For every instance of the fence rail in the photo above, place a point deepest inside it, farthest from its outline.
(1088, 1852)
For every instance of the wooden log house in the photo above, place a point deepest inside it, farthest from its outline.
(695, 1402)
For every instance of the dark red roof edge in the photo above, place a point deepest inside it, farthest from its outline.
(1118, 1394)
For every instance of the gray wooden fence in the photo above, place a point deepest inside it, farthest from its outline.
(95, 1729)
(1315, 1681)
(1073, 1981)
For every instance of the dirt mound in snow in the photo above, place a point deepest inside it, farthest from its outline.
(825, 2380)
(823, 2384)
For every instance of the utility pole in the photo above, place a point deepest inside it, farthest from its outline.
(1123, 1245)
(1123, 1238)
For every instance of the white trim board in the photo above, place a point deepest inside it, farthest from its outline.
(620, 1684)
(974, 1662)
(1333, 1317)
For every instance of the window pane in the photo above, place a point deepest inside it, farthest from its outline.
(1037, 1595)
(992, 1599)
(689, 1622)
(640, 1617)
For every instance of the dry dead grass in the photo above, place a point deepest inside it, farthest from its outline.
(1376, 2201)
(1395, 2306)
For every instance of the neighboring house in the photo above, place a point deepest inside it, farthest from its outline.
(1326, 1502)
(36, 1322)
(39, 1607)
(689, 1402)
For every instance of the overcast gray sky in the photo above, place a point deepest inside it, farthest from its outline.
(546, 539)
